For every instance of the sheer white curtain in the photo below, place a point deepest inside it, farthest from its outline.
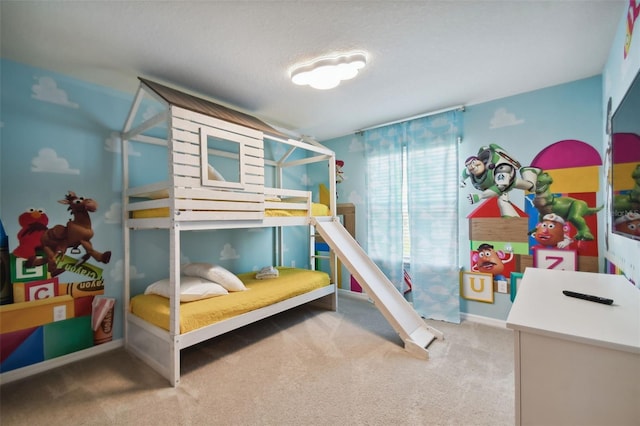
(431, 176)
(384, 200)
(432, 184)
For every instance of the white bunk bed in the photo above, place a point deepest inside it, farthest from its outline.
(201, 137)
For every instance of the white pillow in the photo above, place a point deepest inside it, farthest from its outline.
(214, 273)
(191, 288)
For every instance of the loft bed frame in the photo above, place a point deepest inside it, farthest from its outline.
(198, 196)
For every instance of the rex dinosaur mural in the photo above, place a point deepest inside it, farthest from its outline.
(570, 209)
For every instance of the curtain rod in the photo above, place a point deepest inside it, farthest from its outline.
(426, 114)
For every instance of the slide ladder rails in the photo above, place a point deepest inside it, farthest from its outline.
(415, 333)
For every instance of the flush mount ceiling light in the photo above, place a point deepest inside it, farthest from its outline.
(327, 72)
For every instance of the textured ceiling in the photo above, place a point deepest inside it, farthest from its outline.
(423, 55)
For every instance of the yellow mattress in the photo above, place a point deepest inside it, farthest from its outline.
(316, 210)
(193, 315)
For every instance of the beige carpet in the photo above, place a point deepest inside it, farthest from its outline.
(302, 367)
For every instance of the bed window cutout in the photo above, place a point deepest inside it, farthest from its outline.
(222, 159)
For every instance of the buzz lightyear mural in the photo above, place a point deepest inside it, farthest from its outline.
(494, 172)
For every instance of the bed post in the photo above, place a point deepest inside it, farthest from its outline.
(332, 185)
(174, 304)
(174, 266)
(124, 148)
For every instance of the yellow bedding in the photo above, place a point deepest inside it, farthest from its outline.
(316, 210)
(193, 315)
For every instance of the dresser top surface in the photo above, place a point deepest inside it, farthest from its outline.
(540, 307)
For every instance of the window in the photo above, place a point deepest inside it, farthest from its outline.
(222, 159)
(412, 209)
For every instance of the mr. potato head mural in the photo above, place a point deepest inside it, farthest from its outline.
(552, 232)
(494, 262)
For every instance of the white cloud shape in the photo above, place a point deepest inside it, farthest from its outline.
(392, 131)
(149, 112)
(426, 133)
(503, 118)
(114, 214)
(439, 290)
(48, 161)
(306, 180)
(356, 145)
(47, 90)
(114, 144)
(228, 252)
(279, 150)
(117, 271)
(440, 121)
(355, 198)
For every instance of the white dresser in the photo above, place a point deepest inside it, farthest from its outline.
(576, 362)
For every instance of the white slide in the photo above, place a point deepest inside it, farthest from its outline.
(413, 330)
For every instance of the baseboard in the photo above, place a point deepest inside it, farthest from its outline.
(30, 370)
(353, 295)
(479, 319)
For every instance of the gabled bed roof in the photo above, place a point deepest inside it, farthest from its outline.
(203, 106)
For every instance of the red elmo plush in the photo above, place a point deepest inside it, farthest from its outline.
(33, 224)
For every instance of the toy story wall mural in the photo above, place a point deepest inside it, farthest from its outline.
(556, 228)
(56, 304)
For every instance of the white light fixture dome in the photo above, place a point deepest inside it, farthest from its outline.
(327, 72)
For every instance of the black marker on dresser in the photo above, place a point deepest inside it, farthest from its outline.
(588, 297)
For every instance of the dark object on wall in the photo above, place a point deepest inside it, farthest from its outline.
(625, 167)
(6, 291)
